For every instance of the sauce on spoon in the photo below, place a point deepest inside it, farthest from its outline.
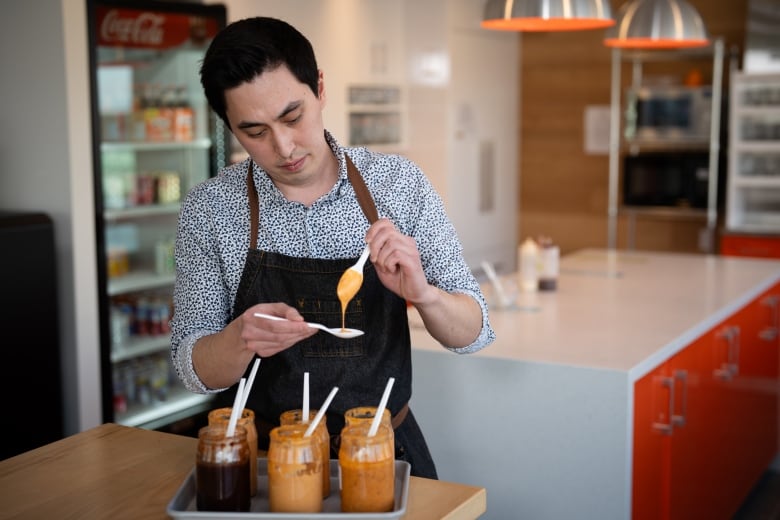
(349, 285)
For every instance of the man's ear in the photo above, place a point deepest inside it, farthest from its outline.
(321, 87)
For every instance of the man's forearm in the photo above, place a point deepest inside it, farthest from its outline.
(453, 319)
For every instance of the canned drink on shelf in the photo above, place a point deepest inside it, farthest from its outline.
(120, 327)
(145, 189)
(168, 187)
(118, 262)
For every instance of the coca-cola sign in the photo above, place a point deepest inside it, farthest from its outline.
(152, 29)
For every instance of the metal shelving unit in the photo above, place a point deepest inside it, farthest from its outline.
(618, 143)
(753, 187)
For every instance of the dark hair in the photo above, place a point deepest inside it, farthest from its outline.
(245, 49)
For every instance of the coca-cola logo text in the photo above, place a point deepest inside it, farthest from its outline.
(145, 29)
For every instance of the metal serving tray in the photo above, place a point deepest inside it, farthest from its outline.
(182, 505)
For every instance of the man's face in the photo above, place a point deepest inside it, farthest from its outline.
(278, 121)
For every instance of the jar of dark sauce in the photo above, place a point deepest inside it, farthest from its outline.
(222, 469)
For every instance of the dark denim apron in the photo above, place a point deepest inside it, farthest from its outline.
(360, 367)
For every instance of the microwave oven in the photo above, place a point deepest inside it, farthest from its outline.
(668, 112)
(677, 179)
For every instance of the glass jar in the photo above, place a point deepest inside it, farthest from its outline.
(366, 414)
(247, 420)
(294, 471)
(323, 441)
(367, 469)
(222, 469)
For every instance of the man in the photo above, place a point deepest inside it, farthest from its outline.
(274, 233)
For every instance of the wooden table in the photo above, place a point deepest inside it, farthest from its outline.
(115, 472)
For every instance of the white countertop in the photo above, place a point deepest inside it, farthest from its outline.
(619, 310)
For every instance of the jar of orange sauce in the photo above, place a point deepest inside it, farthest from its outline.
(323, 441)
(367, 469)
(294, 471)
(366, 414)
(247, 420)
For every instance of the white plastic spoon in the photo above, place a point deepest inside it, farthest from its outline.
(338, 331)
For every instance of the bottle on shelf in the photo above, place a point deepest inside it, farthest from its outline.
(157, 114)
(137, 118)
(529, 265)
(183, 116)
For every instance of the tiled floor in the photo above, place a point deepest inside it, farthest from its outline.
(764, 501)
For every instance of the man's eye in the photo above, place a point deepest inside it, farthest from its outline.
(258, 134)
(295, 120)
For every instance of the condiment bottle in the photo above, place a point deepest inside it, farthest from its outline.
(529, 265)
(294, 471)
(247, 420)
(222, 469)
(549, 255)
(323, 441)
(367, 469)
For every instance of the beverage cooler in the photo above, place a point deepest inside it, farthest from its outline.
(154, 139)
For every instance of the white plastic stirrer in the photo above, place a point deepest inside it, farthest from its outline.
(249, 382)
(381, 408)
(305, 415)
(503, 300)
(231, 429)
(320, 413)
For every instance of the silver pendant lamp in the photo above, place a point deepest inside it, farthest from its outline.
(547, 15)
(657, 24)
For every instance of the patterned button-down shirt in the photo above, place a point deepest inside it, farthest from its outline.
(213, 239)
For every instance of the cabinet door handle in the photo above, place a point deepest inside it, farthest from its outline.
(682, 377)
(770, 332)
(730, 368)
(734, 341)
(666, 428)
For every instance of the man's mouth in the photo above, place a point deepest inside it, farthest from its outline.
(293, 165)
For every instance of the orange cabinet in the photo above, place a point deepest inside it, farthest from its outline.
(672, 451)
(706, 420)
(763, 246)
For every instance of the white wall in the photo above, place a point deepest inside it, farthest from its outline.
(459, 95)
(45, 165)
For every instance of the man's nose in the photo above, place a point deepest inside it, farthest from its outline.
(284, 143)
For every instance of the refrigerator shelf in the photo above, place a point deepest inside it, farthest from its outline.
(139, 281)
(151, 210)
(180, 403)
(131, 146)
(140, 346)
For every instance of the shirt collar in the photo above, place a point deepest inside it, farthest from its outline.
(270, 189)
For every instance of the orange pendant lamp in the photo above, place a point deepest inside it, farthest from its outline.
(547, 15)
(657, 24)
